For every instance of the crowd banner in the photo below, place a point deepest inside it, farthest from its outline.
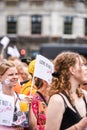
(6, 110)
(43, 68)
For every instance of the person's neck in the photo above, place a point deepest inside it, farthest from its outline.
(74, 85)
(43, 91)
(8, 91)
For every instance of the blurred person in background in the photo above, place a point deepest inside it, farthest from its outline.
(67, 103)
(39, 96)
(26, 87)
(22, 72)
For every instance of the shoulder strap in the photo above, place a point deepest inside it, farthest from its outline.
(42, 98)
(65, 104)
(18, 96)
(71, 103)
(85, 103)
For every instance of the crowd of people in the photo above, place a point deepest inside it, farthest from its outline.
(60, 105)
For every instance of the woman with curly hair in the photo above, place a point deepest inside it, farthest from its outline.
(68, 103)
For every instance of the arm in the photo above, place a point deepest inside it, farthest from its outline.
(31, 115)
(32, 119)
(55, 112)
(79, 126)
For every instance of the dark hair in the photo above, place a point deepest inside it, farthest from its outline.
(38, 82)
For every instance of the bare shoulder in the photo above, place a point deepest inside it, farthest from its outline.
(56, 100)
(56, 97)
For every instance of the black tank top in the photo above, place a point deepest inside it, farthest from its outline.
(70, 117)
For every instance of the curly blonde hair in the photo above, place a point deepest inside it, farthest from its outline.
(62, 63)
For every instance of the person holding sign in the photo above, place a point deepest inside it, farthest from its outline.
(26, 87)
(42, 78)
(14, 108)
(68, 104)
(39, 102)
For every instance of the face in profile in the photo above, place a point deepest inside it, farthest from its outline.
(80, 70)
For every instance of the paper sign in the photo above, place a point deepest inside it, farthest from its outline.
(6, 110)
(17, 54)
(4, 41)
(43, 68)
(13, 51)
(10, 51)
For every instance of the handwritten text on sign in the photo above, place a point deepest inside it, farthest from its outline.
(43, 68)
(6, 110)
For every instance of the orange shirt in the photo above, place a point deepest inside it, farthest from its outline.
(18, 86)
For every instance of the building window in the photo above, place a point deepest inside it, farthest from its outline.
(11, 24)
(11, 2)
(86, 27)
(36, 2)
(36, 21)
(68, 21)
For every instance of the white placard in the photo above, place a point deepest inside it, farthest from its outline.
(4, 41)
(43, 68)
(17, 54)
(13, 51)
(6, 110)
(10, 51)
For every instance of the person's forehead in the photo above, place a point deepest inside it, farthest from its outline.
(11, 70)
(80, 60)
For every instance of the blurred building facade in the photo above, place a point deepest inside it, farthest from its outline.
(29, 23)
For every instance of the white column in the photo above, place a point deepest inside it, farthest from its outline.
(3, 26)
(78, 26)
(57, 24)
(23, 26)
(54, 21)
(60, 23)
(46, 28)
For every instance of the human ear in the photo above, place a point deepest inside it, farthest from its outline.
(72, 70)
